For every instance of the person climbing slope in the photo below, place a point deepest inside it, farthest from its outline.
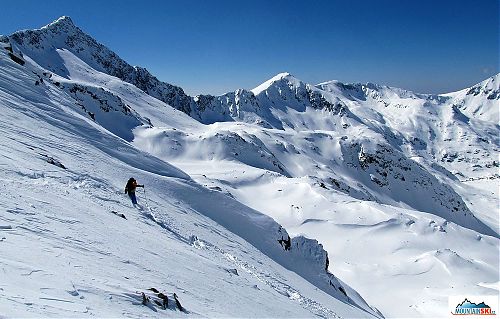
(130, 189)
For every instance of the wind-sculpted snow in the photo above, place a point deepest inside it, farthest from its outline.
(221, 145)
(53, 103)
(305, 257)
(389, 174)
(106, 109)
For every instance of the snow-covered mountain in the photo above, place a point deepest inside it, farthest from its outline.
(380, 189)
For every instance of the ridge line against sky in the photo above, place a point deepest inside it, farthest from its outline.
(213, 47)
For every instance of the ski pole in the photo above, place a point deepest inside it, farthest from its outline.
(145, 198)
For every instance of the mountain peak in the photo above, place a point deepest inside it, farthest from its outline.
(277, 78)
(55, 33)
(64, 24)
(64, 21)
(281, 75)
(493, 82)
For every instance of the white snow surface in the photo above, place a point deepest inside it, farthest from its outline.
(395, 193)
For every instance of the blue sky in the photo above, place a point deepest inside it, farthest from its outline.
(219, 46)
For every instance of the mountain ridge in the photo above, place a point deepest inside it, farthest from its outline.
(241, 104)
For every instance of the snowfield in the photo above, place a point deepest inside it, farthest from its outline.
(288, 200)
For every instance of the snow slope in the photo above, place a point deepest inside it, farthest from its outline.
(400, 188)
(65, 157)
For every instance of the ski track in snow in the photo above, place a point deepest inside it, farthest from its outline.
(270, 280)
(87, 184)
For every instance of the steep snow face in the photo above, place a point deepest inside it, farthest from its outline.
(238, 105)
(280, 77)
(480, 101)
(358, 91)
(390, 175)
(265, 104)
(285, 92)
(399, 188)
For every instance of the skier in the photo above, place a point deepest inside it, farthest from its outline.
(130, 189)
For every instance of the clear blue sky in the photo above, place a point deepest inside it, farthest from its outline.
(429, 46)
